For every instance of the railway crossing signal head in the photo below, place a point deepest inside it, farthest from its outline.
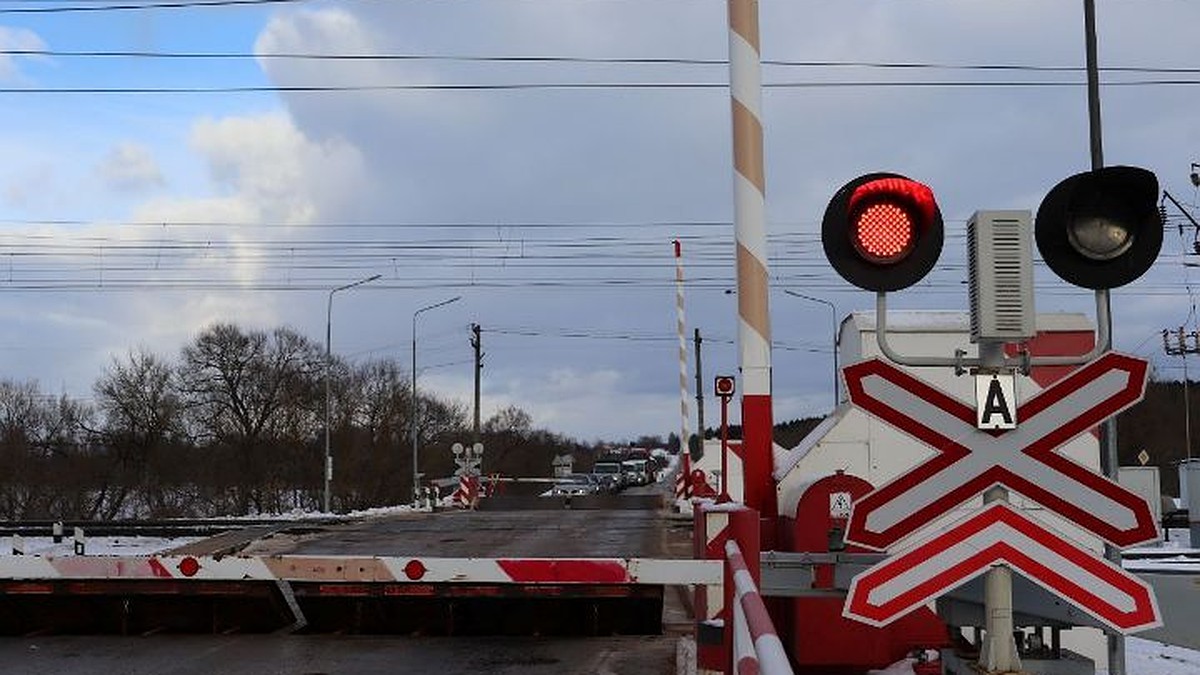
(724, 386)
(1101, 229)
(882, 231)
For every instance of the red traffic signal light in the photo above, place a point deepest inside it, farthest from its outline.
(1101, 229)
(882, 231)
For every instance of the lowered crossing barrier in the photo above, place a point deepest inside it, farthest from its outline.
(309, 568)
(756, 645)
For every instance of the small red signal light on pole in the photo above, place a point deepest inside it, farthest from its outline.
(882, 231)
(724, 386)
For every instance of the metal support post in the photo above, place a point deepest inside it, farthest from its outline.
(724, 495)
(416, 403)
(328, 468)
(999, 649)
(477, 345)
(699, 390)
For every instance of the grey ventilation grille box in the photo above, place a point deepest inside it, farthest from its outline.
(1000, 264)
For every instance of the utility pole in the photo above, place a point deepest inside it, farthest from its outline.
(1180, 347)
(699, 392)
(1109, 461)
(477, 343)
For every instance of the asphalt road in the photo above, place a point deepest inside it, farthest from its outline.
(554, 533)
(482, 534)
(335, 655)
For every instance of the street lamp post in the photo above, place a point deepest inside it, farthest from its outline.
(416, 407)
(834, 313)
(328, 365)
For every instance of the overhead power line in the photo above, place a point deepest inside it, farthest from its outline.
(61, 8)
(585, 60)
(582, 86)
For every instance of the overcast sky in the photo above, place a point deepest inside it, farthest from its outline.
(144, 197)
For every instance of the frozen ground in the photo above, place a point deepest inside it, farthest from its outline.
(45, 546)
(1145, 657)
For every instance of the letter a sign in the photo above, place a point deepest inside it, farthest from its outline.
(996, 401)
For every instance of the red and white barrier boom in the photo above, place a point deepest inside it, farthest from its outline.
(756, 646)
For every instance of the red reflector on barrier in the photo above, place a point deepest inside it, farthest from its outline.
(414, 570)
(189, 566)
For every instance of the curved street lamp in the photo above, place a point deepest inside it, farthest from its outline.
(328, 365)
(416, 406)
(833, 309)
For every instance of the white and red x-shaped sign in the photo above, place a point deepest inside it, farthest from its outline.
(1000, 534)
(1025, 459)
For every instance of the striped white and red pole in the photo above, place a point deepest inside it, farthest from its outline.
(683, 481)
(749, 219)
(681, 327)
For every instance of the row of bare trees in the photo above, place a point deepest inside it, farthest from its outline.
(234, 425)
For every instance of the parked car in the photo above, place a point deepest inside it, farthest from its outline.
(576, 485)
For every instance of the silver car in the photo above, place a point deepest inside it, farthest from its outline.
(576, 485)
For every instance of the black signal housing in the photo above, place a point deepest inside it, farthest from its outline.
(1101, 229)
(882, 231)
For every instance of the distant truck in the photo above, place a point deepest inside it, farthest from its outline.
(610, 474)
(637, 471)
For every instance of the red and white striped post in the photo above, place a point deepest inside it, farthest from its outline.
(683, 480)
(684, 434)
(749, 217)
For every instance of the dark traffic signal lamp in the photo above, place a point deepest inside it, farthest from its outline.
(882, 231)
(1101, 229)
(724, 386)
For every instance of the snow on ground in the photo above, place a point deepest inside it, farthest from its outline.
(1146, 657)
(1142, 657)
(45, 546)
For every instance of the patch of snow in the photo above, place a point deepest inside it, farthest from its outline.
(1147, 657)
(125, 546)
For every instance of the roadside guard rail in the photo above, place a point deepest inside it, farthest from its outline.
(756, 646)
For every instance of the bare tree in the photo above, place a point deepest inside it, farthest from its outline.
(142, 419)
(373, 409)
(240, 389)
(509, 419)
(18, 419)
(373, 422)
(45, 452)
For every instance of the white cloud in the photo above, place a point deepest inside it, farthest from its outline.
(261, 169)
(605, 155)
(131, 167)
(16, 39)
(27, 186)
(272, 169)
